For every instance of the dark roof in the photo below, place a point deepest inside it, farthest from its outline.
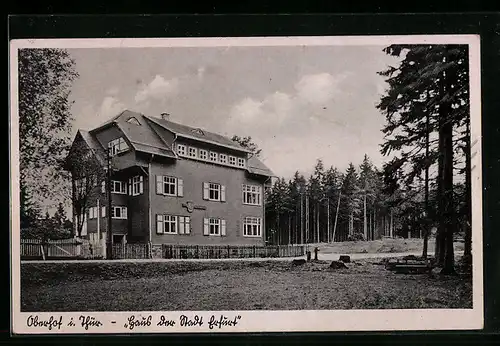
(198, 134)
(94, 145)
(255, 166)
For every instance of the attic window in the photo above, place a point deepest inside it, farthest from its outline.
(198, 131)
(134, 121)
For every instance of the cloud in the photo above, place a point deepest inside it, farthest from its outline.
(318, 88)
(158, 89)
(113, 91)
(201, 72)
(110, 107)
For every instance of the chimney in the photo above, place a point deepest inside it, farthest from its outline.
(165, 116)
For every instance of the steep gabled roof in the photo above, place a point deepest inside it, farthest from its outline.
(198, 134)
(94, 145)
(255, 166)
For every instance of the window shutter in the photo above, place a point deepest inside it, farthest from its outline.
(181, 225)
(223, 193)
(223, 227)
(103, 211)
(103, 187)
(260, 228)
(187, 229)
(205, 191)
(124, 212)
(205, 226)
(159, 184)
(180, 187)
(159, 224)
(141, 185)
(243, 193)
(130, 187)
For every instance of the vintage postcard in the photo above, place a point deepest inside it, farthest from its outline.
(260, 184)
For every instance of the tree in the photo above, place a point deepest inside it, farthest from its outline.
(246, 142)
(350, 191)
(45, 79)
(29, 209)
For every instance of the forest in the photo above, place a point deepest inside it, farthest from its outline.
(425, 182)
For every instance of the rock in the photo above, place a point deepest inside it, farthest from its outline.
(345, 259)
(298, 262)
(338, 265)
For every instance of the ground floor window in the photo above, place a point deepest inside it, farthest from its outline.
(173, 224)
(252, 226)
(214, 226)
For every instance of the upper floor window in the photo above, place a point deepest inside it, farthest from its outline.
(118, 186)
(117, 146)
(119, 212)
(181, 149)
(241, 162)
(192, 152)
(137, 185)
(232, 160)
(252, 226)
(214, 192)
(213, 156)
(203, 154)
(170, 186)
(223, 158)
(252, 194)
(93, 212)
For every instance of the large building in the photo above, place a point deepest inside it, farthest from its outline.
(170, 184)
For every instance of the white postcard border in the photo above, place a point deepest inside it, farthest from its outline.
(260, 321)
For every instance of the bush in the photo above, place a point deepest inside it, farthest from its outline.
(356, 237)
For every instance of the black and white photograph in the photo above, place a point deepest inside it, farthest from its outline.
(246, 184)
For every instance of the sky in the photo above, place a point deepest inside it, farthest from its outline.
(298, 103)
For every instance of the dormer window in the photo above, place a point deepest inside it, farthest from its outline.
(117, 146)
(241, 162)
(198, 131)
(192, 152)
(223, 158)
(232, 160)
(213, 156)
(133, 120)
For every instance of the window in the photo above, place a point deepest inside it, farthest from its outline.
(232, 160)
(192, 152)
(251, 194)
(119, 212)
(103, 211)
(213, 156)
(252, 226)
(169, 186)
(134, 121)
(223, 158)
(137, 185)
(214, 226)
(214, 192)
(184, 225)
(118, 187)
(181, 149)
(117, 146)
(203, 154)
(173, 224)
(241, 162)
(93, 213)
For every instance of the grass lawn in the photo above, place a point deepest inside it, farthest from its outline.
(381, 246)
(240, 285)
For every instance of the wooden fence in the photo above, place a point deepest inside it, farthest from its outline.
(60, 249)
(230, 251)
(131, 251)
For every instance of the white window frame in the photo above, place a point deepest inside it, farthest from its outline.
(213, 156)
(123, 185)
(123, 213)
(203, 154)
(251, 193)
(216, 224)
(193, 152)
(170, 220)
(232, 160)
(215, 188)
(93, 213)
(252, 224)
(241, 162)
(223, 158)
(181, 149)
(169, 181)
(184, 224)
(117, 146)
(137, 185)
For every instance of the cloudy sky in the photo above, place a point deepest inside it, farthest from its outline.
(297, 103)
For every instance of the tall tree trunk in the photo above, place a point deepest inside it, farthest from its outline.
(289, 228)
(426, 207)
(365, 221)
(448, 207)
(317, 222)
(391, 226)
(468, 196)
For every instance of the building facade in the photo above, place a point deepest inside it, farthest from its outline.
(170, 184)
